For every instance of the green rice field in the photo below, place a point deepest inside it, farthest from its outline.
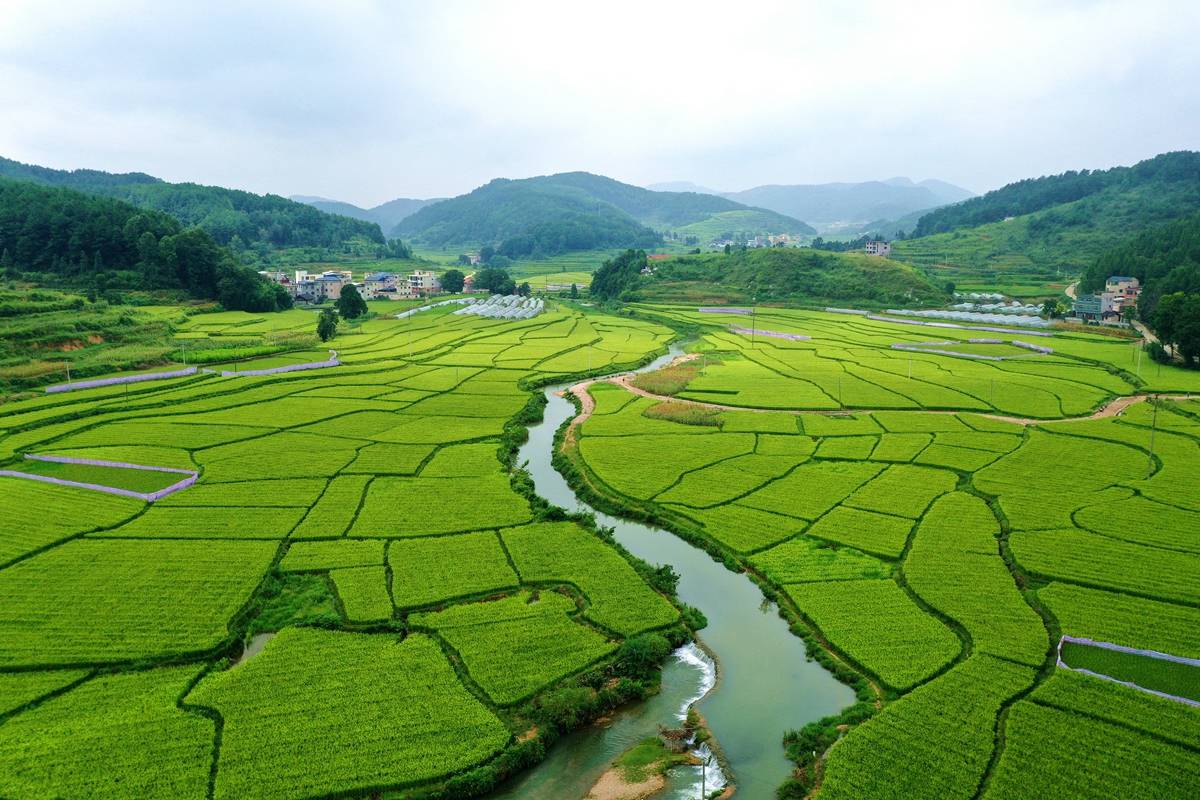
(937, 525)
(931, 525)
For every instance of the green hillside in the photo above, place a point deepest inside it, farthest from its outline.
(55, 235)
(1056, 240)
(784, 273)
(548, 215)
(268, 221)
(738, 224)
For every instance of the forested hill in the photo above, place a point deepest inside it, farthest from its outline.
(1165, 258)
(85, 241)
(267, 220)
(1056, 226)
(1179, 169)
(578, 211)
(793, 274)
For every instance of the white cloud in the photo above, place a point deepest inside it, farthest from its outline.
(367, 101)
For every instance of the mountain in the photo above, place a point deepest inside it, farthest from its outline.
(64, 236)
(826, 204)
(1058, 223)
(268, 220)
(681, 186)
(784, 273)
(578, 211)
(385, 215)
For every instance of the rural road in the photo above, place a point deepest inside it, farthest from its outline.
(1110, 409)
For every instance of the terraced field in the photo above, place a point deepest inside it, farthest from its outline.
(935, 548)
(426, 608)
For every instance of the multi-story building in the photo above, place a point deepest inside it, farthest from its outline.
(380, 286)
(878, 248)
(423, 283)
(1124, 289)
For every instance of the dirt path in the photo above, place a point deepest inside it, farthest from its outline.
(612, 786)
(624, 380)
(1070, 290)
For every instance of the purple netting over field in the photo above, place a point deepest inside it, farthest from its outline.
(1037, 348)
(149, 497)
(332, 362)
(940, 348)
(723, 310)
(151, 376)
(791, 337)
(1192, 662)
(899, 321)
(922, 348)
(855, 311)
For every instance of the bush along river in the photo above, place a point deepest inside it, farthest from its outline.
(760, 686)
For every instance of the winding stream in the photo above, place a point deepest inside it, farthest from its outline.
(766, 685)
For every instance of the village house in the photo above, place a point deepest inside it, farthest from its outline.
(423, 283)
(380, 286)
(878, 247)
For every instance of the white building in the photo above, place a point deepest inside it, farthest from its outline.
(878, 248)
(423, 283)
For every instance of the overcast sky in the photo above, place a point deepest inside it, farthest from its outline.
(366, 101)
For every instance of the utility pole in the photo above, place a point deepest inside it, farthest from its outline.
(753, 320)
(1153, 428)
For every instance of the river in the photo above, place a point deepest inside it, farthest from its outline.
(766, 685)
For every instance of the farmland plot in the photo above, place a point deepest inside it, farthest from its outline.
(396, 707)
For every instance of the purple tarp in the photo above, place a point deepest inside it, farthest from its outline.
(1193, 662)
(149, 376)
(149, 497)
(791, 337)
(898, 321)
(723, 310)
(332, 362)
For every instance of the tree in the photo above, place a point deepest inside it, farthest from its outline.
(574, 292)
(327, 324)
(486, 252)
(496, 281)
(524, 289)
(452, 280)
(350, 303)
(1050, 308)
(616, 275)
(1177, 322)
(640, 656)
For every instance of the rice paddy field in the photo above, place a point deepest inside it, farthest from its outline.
(424, 606)
(938, 523)
(932, 524)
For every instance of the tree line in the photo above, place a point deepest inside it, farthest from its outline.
(84, 240)
(225, 214)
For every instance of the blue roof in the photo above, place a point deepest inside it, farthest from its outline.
(331, 278)
(379, 276)
(1112, 278)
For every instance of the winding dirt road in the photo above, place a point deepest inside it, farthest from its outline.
(1110, 409)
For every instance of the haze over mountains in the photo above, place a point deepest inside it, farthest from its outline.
(385, 215)
(883, 206)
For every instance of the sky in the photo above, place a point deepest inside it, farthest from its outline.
(366, 101)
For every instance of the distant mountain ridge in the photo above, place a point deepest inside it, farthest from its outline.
(882, 206)
(577, 211)
(224, 213)
(385, 215)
